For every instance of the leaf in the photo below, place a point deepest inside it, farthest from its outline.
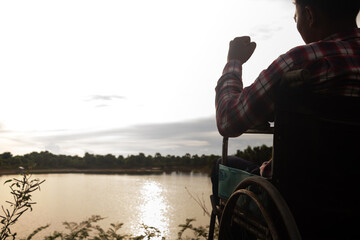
(32, 188)
(22, 212)
(7, 181)
(16, 218)
(36, 231)
(3, 209)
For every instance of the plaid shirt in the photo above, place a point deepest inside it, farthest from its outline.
(334, 65)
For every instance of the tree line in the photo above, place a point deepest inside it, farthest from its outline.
(48, 160)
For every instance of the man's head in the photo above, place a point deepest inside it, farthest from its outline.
(334, 8)
(317, 19)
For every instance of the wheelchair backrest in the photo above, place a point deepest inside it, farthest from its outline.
(316, 157)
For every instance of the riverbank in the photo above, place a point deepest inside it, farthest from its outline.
(137, 171)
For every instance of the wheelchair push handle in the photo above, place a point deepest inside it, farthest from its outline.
(224, 151)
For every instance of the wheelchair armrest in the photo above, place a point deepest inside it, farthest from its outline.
(270, 130)
(265, 128)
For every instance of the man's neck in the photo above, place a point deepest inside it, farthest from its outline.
(331, 28)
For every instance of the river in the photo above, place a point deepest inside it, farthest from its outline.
(162, 201)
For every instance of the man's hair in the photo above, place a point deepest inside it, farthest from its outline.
(334, 8)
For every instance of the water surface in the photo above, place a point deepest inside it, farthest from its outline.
(160, 201)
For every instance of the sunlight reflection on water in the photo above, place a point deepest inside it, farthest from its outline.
(154, 208)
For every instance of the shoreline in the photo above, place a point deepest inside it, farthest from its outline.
(139, 171)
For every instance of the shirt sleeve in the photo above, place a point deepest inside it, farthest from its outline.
(238, 108)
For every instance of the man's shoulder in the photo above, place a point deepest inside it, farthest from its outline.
(321, 46)
(331, 45)
(319, 50)
(300, 54)
(298, 50)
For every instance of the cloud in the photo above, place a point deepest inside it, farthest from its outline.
(53, 148)
(101, 105)
(102, 101)
(265, 32)
(198, 136)
(105, 97)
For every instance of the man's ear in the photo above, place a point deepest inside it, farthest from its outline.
(310, 17)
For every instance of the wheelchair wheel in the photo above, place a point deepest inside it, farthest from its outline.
(256, 210)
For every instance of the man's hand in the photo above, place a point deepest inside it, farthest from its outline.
(241, 49)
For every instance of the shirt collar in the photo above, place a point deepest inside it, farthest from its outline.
(343, 36)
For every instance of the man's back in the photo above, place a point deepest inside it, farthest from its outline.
(333, 63)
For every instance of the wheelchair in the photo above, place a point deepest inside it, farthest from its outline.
(313, 190)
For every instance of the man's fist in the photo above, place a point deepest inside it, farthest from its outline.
(241, 49)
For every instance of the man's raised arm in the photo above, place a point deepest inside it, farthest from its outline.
(230, 86)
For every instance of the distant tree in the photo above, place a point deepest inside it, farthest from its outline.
(120, 161)
(47, 160)
(186, 159)
(90, 160)
(109, 160)
(256, 154)
(6, 160)
(6, 155)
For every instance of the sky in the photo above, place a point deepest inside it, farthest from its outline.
(124, 77)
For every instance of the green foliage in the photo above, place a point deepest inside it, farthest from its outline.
(47, 160)
(36, 231)
(87, 230)
(84, 230)
(256, 154)
(149, 232)
(21, 191)
(198, 232)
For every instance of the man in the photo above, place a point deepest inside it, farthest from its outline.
(331, 54)
(330, 32)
